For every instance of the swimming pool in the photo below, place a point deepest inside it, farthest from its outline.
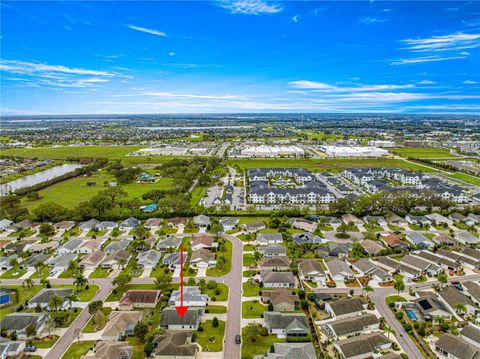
(411, 315)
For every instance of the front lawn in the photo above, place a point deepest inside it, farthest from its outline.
(394, 299)
(222, 290)
(90, 327)
(251, 290)
(211, 339)
(227, 254)
(13, 273)
(45, 342)
(260, 346)
(78, 349)
(64, 319)
(248, 259)
(216, 309)
(86, 295)
(253, 309)
(99, 272)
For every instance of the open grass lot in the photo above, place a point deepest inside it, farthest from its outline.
(253, 309)
(427, 153)
(216, 309)
(211, 339)
(99, 272)
(117, 293)
(465, 178)
(223, 296)
(46, 342)
(251, 290)
(78, 349)
(328, 164)
(24, 294)
(70, 192)
(260, 346)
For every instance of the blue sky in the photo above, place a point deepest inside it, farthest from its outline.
(239, 56)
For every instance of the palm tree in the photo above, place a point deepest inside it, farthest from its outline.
(399, 286)
(55, 302)
(28, 283)
(72, 266)
(460, 308)
(80, 281)
(367, 289)
(443, 279)
(70, 298)
(44, 282)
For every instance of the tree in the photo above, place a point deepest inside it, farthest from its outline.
(95, 306)
(28, 283)
(10, 207)
(113, 193)
(55, 302)
(72, 266)
(252, 331)
(215, 322)
(80, 281)
(202, 284)
(367, 289)
(270, 307)
(70, 298)
(163, 280)
(31, 330)
(460, 308)
(46, 229)
(50, 212)
(45, 282)
(399, 286)
(122, 280)
(211, 284)
(443, 279)
(140, 331)
(33, 195)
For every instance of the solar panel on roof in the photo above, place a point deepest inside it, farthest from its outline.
(425, 304)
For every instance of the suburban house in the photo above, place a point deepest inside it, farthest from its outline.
(129, 224)
(252, 227)
(418, 220)
(177, 222)
(467, 238)
(264, 239)
(363, 346)
(201, 221)
(107, 225)
(11, 348)
(71, 246)
(60, 263)
(350, 218)
(19, 322)
(273, 250)
(271, 279)
(278, 263)
(172, 260)
(121, 324)
(64, 226)
(345, 308)
(286, 324)
(228, 223)
(422, 265)
(395, 219)
(472, 291)
(169, 243)
(117, 246)
(110, 350)
(42, 298)
(304, 225)
(307, 237)
(438, 219)
(6, 262)
(170, 319)
(393, 241)
(431, 308)
(153, 223)
(5, 224)
(90, 246)
(368, 269)
(352, 326)
(139, 299)
(148, 259)
(203, 258)
(282, 299)
(419, 240)
(453, 298)
(445, 263)
(312, 271)
(31, 262)
(172, 345)
(43, 247)
(292, 350)
(117, 260)
(455, 347)
(444, 239)
(192, 297)
(88, 225)
(371, 247)
(200, 242)
(339, 270)
(92, 261)
(394, 267)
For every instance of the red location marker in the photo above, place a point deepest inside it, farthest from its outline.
(181, 309)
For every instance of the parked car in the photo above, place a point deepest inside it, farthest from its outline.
(238, 339)
(30, 349)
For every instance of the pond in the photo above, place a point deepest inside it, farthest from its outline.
(39, 177)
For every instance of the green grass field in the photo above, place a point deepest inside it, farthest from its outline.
(327, 165)
(70, 192)
(427, 153)
(466, 178)
(78, 349)
(253, 309)
(211, 339)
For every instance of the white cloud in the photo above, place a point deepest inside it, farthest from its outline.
(470, 82)
(433, 58)
(35, 74)
(457, 41)
(368, 20)
(250, 7)
(427, 82)
(295, 18)
(147, 30)
(171, 53)
(324, 87)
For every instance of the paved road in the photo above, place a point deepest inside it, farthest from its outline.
(69, 336)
